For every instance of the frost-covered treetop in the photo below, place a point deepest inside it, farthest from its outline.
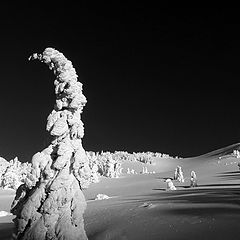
(67, 87)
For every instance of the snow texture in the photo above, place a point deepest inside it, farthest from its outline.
(50, 205)
(4, 213)
(170, 185)
(101, 196)
(13, 173)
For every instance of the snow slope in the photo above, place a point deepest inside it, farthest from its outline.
(139, 207)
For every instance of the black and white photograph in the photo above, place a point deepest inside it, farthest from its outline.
(119, 121)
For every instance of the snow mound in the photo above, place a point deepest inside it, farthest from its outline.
(101, 196)
(4, 213)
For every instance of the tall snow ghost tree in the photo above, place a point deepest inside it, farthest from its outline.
(50, 205)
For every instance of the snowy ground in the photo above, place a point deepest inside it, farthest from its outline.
(141, 208)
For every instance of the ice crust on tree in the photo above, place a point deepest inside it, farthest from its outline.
(193, 179)
(50, 205)
(170, 185)
(107, 164)
(178, 174)
(13, 173)
(3, 166)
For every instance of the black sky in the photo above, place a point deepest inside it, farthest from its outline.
(156, 79)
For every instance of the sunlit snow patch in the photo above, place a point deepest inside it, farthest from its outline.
(101, 196)
(4, 213)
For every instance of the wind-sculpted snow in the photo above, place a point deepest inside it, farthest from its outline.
(50, 205)
(178, 174)
(13, 173)
(107, 164)
(3, 166)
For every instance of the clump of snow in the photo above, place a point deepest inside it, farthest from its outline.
(4, 213)
(101, 196)
(146, 205)
(170, 185)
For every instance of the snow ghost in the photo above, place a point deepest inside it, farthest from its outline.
(193, 179)
(175, 174)
(51, 203)
(179, 174)
(145, 170)
(170, 185)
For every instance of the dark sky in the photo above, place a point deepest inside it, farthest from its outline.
(156, 79)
